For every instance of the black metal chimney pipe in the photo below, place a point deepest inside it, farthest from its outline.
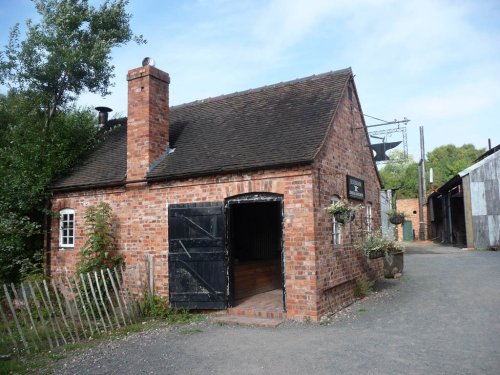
(103, 115)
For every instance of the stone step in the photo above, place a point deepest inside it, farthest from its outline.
(257, 313)
(246, 320)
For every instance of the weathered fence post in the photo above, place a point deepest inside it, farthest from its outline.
(82, 301)
(102, 299)
(117, 295)
(52, 311)
(96, 302)
(7, 326)
(109, 298)
(40, 316)
(13, 311)
(25, 298)
(60, 309)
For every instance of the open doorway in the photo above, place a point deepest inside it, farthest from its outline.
(254, 233)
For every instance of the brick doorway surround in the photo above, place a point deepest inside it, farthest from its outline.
(254, 232)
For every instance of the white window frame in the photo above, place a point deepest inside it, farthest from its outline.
(369, 217)
(67, 228)
(336, 227)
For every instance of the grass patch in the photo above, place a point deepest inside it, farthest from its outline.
(191, 331)
(364, 288)
(45, 361)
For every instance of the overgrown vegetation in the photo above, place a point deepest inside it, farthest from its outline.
(157, 307)
(41, 131)
(99, 251)
(364, 288)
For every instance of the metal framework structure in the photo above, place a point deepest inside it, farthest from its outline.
(383, 134)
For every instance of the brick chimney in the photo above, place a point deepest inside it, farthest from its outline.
(147, 124)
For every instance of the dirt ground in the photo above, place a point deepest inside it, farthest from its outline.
(441, 317)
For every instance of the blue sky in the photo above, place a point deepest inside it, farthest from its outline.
(436, 62)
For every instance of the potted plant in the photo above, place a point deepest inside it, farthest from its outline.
(393, 259)
(396, 217)
(343, 211)
(373, 245)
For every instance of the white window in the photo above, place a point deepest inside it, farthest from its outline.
(336, 226)
(67, 228)
(369, 218)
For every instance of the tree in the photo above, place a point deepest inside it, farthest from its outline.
(401, 174)
(41, 131)
(446, 161)
(67, 53)
(28, 163)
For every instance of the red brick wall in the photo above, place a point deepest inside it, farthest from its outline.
(147, 129)
(410, 208)
(345, 152)
(141, 224)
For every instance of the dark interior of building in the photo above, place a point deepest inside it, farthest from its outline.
(255, 240)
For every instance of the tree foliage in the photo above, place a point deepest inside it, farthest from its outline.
(30, 156)
(41, 131)
(401, 174)
(446, 161)
(67, 53)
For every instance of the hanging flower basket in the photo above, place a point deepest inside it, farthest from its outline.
(396, 217)
(343, 211)
(345, 217)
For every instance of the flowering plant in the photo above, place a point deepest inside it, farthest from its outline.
(343, 211)
(376, 245)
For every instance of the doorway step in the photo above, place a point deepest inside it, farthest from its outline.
(264, 309)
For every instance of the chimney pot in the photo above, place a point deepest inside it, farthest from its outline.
(103, 114)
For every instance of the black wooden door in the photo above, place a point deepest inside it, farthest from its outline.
(197, 256)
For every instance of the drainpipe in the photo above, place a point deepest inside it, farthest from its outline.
(421, 234)
(423, 186)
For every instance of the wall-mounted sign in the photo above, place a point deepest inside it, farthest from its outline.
(355, 188)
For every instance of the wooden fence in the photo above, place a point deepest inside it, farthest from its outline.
(45, 314)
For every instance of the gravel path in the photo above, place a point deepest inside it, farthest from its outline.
(442, 317)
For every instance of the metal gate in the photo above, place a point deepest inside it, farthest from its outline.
(197, 256)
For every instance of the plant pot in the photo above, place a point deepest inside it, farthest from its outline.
(397, 220)
(393, 264)
(345, 217)
(374, 254)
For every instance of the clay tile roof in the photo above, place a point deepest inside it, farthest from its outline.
(273, 126)
(105, 164)
(276, 125)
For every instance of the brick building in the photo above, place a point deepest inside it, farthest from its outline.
(410, 229)
(229, 193)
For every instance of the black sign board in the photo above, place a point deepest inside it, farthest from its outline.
(355, 188)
